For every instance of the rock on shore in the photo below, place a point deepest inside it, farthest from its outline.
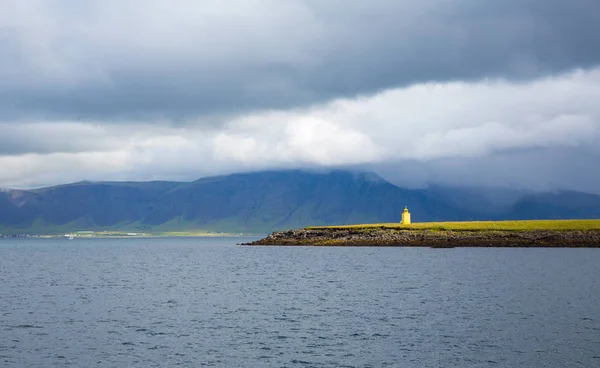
(432, 238)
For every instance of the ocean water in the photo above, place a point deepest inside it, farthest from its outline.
(196, 302)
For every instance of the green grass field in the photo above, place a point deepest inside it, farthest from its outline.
(557, 225)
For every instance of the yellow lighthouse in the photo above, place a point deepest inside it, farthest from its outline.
(405, 216)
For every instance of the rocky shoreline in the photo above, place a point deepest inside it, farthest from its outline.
(395, 237)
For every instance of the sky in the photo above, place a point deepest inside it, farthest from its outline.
(453, 92)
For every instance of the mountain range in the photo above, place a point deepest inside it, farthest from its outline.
(261, 202)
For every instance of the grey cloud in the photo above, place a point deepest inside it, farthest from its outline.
(57, 137)
(148, 89)
(140, 60)
(541, 134)
(45, 138)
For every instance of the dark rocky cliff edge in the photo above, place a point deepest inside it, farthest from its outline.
(433, 238)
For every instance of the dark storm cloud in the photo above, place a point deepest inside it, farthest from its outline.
(112, 60)
(482, 92)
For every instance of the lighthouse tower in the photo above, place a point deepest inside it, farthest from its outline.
(405, 216)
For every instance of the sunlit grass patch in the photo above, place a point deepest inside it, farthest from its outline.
(524, 225)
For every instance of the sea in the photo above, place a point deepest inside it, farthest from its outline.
(209, 302)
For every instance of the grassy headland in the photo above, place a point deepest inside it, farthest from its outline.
(534, 233)
(525, 225)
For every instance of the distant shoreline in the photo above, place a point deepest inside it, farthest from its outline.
(116, 236)
(555, 234)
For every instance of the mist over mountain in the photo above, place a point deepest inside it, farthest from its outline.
(270, 200)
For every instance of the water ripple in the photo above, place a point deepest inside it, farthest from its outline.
(207, 302)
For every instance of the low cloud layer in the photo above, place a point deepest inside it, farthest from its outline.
(490, 132)
(438, 91)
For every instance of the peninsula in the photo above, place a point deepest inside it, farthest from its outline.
(534, 233)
